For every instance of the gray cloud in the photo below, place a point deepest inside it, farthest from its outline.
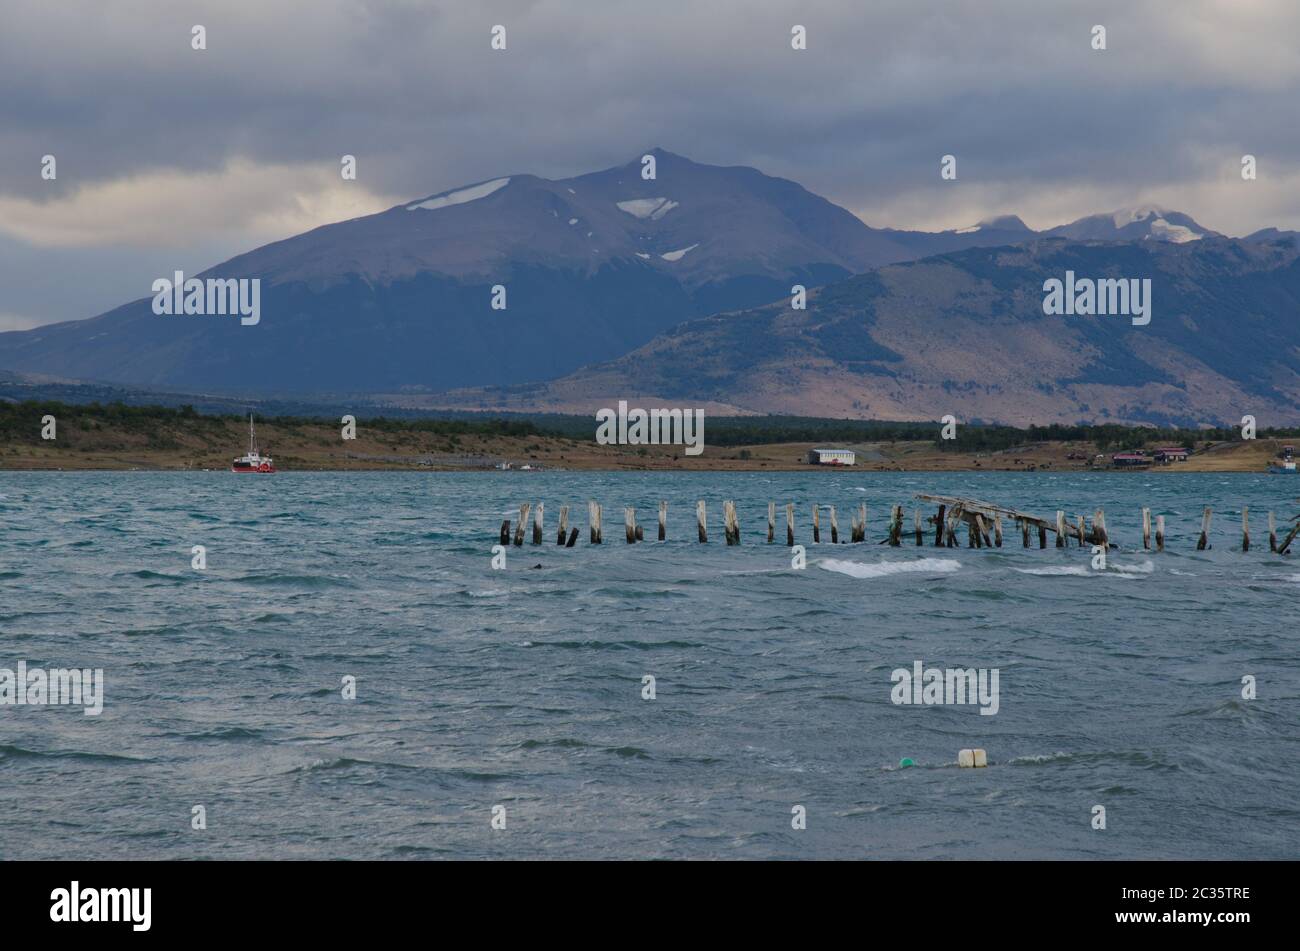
(243, 140)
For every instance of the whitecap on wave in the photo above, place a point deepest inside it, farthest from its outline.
(881, 569)
(1122, 571)
(1056, 570)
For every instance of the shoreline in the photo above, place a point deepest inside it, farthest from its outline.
(179, 444)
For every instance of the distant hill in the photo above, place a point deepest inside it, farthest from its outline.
(593, 266)
(965, 333)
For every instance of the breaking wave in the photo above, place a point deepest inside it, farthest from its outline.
(881, 569)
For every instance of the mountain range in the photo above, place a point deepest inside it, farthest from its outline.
(965, 333)
(617, 285)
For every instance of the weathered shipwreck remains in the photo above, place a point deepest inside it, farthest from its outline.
(983, 523)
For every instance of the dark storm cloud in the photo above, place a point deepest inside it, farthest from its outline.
(1042, 124)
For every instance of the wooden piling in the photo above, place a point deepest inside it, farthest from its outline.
(1042, 536)
(564, 525)
(701, 520)
(1272, 532)
(523, 521)
(730, 526)
(862, 521)
(663, 520)
(593, 520)
(1160, 533)
(640, 534)
(1245, 528)
(629, 524)
(972, 537)
(997, 529)
(983, 530)
(939, 524)
(537, 524)
(1289, 538)
(916, 525)
(771, 522)
(573, 537)
(1203, 542)
(1099, 529)
(1146, 529)
(817, 525)
(1060, 529)
(789, 523)
(1024, 531)
(896, 526)
(835, 528)
(1081, 531)
(505, 532)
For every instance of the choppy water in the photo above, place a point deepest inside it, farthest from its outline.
(522, 687)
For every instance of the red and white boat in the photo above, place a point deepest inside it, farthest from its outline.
(252, 461)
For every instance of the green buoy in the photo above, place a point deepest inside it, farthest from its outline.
(906, 761)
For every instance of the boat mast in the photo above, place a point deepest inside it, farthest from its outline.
(252, 437)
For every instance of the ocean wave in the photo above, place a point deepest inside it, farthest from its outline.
(346, 763)
(8, 751)
(882, 569)
(297, 581)
(627, 752)
(217, 733)
(560, 743)
(1056, 570)
(1144, 759)
(1144, 568)
(1230, 708)
(148, 575)
(618, 645)
(1036, 759)
(1122, 571)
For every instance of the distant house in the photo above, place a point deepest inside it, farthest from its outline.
(831, 457)
(1169, 454)
(1130, 460)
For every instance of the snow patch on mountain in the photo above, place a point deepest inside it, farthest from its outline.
(970, 230)
(473, 193)
(1127, 216)
(1178, 234)
(679, 254)
(651, 208)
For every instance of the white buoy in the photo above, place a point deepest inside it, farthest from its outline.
(972, 758)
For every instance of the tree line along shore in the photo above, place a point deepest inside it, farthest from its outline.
(120, 436)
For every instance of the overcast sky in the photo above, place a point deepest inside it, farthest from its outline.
(174, 158)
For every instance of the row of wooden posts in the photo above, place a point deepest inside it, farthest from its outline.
(979, 517)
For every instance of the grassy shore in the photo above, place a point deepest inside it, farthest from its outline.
(125, 438)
